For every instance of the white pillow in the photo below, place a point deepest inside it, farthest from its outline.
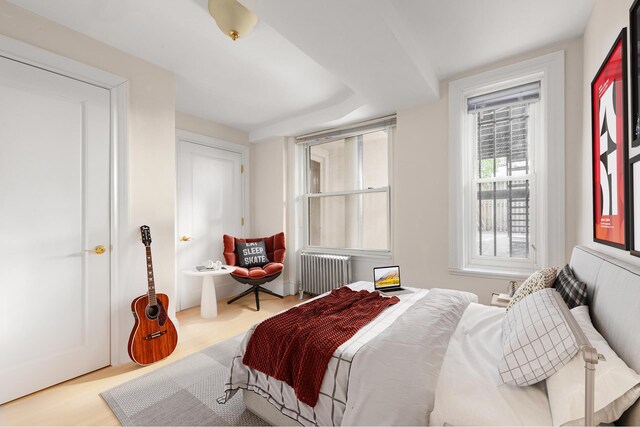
(617, 385)
(536, 340)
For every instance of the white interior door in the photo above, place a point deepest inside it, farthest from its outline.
(210, 204)
(54, 204)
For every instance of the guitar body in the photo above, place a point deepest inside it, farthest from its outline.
(154, 336)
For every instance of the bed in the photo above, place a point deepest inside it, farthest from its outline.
(460, 383)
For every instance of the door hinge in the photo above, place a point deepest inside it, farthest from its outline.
(242, 221)
(241, 168)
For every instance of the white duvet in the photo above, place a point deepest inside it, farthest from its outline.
(393, 378)
(385, 374)
(470, 391)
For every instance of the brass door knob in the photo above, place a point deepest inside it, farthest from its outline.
(99, 250)
(185, 238)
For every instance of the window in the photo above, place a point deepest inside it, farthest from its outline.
(503, 125)
(347, 190)
(507, 169)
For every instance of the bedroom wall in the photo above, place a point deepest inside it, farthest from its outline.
(268, 181)
(151, 138)
(420, 199)
(420, 186)
(269, 197)
(604, 25)
(185, 121)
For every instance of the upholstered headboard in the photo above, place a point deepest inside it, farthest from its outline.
(614, 305)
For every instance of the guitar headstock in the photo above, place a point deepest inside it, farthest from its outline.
(145, 231)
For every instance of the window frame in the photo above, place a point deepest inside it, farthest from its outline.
(534, 132)
(307, 195)
(547, 176)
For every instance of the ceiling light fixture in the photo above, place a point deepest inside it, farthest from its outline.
(232, 18)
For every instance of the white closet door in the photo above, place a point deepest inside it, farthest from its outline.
(210, 204)
(54, 205)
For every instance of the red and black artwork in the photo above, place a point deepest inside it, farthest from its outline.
(609, 121)
(634, 141)
(634, 54)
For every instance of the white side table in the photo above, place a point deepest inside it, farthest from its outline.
(209, 303)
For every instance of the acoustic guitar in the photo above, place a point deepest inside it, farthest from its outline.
(154, 336)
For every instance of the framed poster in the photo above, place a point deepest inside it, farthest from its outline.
(634, 143)
(609, 148)
(634, 208)
(634, 51)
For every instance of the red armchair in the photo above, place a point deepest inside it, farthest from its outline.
(256, 276)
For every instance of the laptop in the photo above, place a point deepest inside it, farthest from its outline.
(387, 280)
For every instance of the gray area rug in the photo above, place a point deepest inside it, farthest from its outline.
(183, 393)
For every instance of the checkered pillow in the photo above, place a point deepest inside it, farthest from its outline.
(536, 340)
(539, 280)
(572, 290)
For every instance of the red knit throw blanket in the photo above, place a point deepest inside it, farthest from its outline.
(296, 346)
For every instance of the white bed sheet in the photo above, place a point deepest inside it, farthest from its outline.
(469, 390)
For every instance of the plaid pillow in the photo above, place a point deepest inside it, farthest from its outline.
(572, 290)
(536, 340)
(538, 281)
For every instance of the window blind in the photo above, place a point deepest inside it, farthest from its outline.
(529, 92)
(347, 131)
(504, 132)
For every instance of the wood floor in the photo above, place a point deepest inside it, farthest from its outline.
(77, 401)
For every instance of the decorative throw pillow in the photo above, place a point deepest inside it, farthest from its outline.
(539, 280)
(252, 254)
(572, 290)
(536, 340)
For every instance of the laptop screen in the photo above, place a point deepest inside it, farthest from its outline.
(386, 277)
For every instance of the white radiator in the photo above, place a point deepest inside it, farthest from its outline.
(322, 272)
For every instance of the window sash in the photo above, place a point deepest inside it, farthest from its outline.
(528, 176)
(359, 147)
(502, 135)
(348, 192)
(530, 222)
(389, 127)
(484, 261)
(360, 155)
(308, 197)
(475, 260)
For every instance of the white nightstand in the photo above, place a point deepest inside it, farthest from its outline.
(209, 303)
(497, 300)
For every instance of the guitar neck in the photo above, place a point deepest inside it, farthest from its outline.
(150, 282)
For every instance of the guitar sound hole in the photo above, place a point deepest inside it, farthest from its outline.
(152, 311)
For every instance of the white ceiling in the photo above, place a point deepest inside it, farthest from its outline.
(314, 64)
